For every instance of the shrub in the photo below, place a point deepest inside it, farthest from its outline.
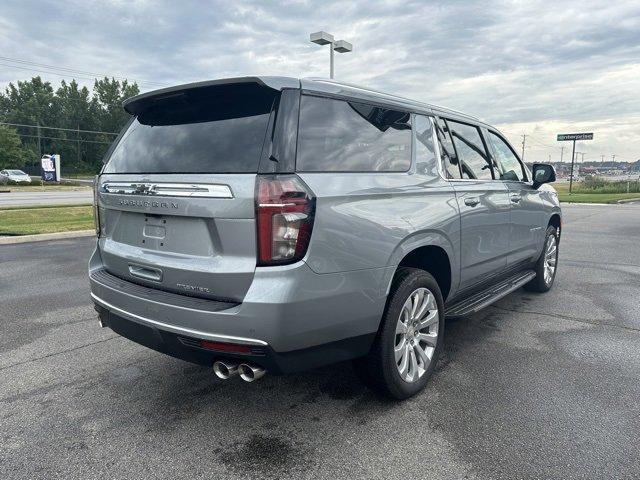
(34, 181)
(600, 185)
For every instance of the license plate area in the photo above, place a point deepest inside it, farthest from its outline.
(166, 233)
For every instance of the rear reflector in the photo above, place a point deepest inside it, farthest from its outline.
(225, 347)
(284, 213)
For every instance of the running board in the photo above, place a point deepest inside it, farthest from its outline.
(484, 298)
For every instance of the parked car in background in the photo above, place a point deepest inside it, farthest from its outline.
(276, 224)
(17, 176)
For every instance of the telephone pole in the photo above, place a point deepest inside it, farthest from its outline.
(613, 158)
(601, 158)
(39, 141)
(561, 153)
(524, 139)
(78, 145)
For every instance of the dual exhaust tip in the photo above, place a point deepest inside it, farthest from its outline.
(247, 372)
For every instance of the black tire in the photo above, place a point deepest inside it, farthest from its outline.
(378, 369)
(539, 284)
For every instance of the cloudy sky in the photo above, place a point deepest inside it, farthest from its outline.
(529, 67)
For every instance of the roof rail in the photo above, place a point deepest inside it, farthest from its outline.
(378, 92)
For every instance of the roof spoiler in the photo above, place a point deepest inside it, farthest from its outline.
(139, 103)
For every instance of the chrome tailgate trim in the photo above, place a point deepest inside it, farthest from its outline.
(168, 189)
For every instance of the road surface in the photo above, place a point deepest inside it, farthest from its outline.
(536, 386)
(51, 197)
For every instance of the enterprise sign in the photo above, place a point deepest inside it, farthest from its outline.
(562, 137)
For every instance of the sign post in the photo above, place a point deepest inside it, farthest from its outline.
(565, 137)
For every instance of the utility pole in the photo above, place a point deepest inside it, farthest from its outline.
(613, 158)
(39, 141)
(573, 156)
(601, 158)
(561, 153)
(78, 148)
(524, 139)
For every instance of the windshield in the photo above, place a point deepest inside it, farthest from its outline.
(16, 172)
(218, 130)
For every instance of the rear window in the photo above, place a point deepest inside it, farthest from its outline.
(340, 136)
(210, 130)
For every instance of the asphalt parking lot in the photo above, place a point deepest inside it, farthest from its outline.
(537, 386)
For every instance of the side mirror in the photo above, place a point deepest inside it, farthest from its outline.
(543, 173)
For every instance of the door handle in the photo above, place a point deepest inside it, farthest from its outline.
(515, 198)
(471, 201)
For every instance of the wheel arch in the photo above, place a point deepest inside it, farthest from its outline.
(432, 252)
(556, 221)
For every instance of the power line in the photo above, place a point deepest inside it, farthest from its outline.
(58, 128)
(47, 72)
(28, 65)
(69, 69)
(64, 139)
(541, 143)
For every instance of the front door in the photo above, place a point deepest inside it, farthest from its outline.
(484, 208)
(527, 229)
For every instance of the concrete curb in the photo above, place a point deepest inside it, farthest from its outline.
(45, 236)
(617, 203)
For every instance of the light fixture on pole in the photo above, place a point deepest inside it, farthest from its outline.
(340, 46)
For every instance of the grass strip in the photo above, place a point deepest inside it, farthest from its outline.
(34, 220)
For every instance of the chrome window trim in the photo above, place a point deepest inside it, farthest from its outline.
(167, 189)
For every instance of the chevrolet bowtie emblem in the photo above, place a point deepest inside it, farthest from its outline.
(144, 189)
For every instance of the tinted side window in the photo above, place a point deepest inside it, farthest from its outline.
(474, 161)
(509, 166)
(340, 136)
(449, 159)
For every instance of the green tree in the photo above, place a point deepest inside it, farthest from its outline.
(71, 108)
(76, 109)
(29, 102)
(110, 93)
(12, 155)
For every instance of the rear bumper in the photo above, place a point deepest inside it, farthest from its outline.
(188, 348)
(290, 312)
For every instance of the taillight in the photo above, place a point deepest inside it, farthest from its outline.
(284, 213)
(96, 213)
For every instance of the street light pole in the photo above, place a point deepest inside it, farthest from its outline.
(331, 61)
(340, 46)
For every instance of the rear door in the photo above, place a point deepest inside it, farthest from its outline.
(176, 197)
(528, 217)
(484, 206)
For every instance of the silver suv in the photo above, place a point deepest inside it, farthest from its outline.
(276, 224)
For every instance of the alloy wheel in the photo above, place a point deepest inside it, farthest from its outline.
(416, 334)
(550, 259)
